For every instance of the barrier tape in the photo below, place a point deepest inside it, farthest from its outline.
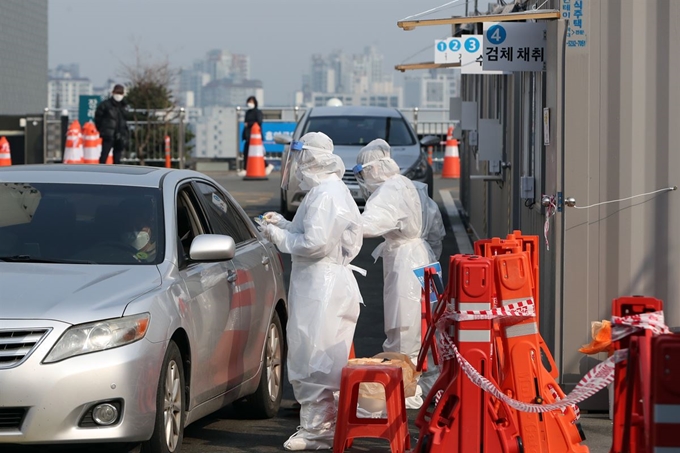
(594, 381)
(522, 309)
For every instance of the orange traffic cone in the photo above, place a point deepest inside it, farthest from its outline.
(5, 155)
(73, 152)
(451, 159)
(90, 142)
(255, 168)
(109, 158)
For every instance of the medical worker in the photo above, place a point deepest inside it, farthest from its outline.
(394, 211)
(323, 239)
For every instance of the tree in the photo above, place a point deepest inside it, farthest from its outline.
(153, 110)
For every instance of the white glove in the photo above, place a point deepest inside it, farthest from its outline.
(274, 218)
(268, 231)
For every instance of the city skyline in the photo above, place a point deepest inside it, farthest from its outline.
(279, 43)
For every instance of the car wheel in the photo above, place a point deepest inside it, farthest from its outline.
(288, 215)
(266, 400)
(168, 432)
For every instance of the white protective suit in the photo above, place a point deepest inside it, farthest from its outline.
(433, 233)
(323, 238)
(394, 211)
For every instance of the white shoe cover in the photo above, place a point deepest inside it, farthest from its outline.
(303, 439)
(415, 401)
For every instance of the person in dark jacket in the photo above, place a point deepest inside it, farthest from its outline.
(253, 115)
(109, 118)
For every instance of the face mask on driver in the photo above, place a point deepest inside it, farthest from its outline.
(138, 239)
(117, 97)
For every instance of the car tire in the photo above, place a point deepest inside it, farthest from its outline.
(266, 400)
(170, 404)
(288, 215)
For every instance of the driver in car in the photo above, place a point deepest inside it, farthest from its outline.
(139, 233)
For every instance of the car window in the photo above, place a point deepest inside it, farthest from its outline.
(97, 224)
(223, 215)
(359, 130)
(190, 220)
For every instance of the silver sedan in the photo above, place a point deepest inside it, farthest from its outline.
(133, 301)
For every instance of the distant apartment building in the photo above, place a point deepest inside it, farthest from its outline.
(220, 78)
(23, 56)
(354, 79)
(65, 86)
(211, 138)
(225, 93)
(431, 89)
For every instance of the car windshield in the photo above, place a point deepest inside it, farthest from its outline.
(80, 223)
(359, 130)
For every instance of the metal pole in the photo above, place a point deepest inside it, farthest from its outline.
(415, 119)
(64, 131)
(180, 145)
(46, 112)
(238, 140)
(297, 111)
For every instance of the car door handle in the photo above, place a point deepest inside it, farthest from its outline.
(232, 276)
(265, 260)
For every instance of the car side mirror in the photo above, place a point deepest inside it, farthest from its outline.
(430, 140)
(282, 139)
(212, 247)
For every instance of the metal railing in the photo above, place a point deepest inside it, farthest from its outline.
(147, 136)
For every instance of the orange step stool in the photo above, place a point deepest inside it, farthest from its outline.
(348, 426)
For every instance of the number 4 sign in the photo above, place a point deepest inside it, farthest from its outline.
(514, 46)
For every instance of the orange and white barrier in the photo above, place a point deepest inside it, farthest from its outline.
(255, 168)
(5, 154)
(73, 152)
(451, 158)
(90, 144)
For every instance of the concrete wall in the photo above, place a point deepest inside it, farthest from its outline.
(23, 56)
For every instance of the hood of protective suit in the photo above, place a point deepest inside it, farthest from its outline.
(382, 167)
(317, 161)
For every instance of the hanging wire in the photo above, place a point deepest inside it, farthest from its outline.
(666, 189)
(438, 8)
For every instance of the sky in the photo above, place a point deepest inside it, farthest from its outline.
(279, 35)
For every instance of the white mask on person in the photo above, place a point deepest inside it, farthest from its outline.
(250, 105)
(117, 97)
(138, 239)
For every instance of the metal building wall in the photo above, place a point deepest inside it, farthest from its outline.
(495, 208)
(23, 56)
(617, 138)
(622, 126)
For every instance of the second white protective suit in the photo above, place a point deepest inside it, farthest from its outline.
(394, 212)
(323, 238)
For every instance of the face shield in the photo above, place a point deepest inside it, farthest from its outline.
(361, 172)
(289, 166)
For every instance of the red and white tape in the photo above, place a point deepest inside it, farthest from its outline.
(626, 325)
(594, 381)
(522, 309)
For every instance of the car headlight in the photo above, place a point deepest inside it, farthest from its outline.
(99, 336)
(419, 169)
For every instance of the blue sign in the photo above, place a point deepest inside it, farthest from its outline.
(87, 105)
(441, 46)
(496, 34)
(472, 44)
(420, 273)
(454, 45)
(269, 130)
